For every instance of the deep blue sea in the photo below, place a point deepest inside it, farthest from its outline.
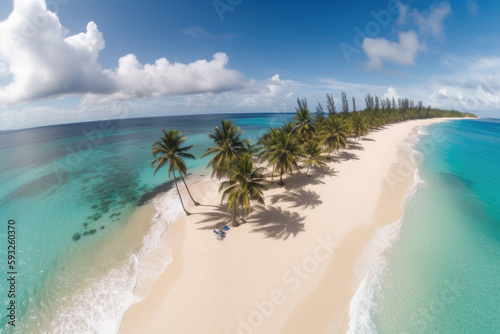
(87, 179)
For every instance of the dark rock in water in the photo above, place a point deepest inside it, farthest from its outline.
(94, 206)
(96, 217)
(85, 225)
(40, 185)
(162, 188)
(119, 213)
(102, 227)
(85, 233)
(76, 236)
(92, 231)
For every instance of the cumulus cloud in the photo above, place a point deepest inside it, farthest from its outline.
(403, 52)
(44, 62)
(430, 22)
(272, 94)
(472, 84)
(391, 94)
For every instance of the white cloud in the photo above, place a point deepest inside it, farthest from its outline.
(391, 94)
(44, 62)
(403, 13)
(471, 6)
(471, 85)
(266, 95)
(403, 52)
(430, 22)
(208, 100)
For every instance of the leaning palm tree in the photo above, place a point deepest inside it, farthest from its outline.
(170, 151)
(243, 187)
(333, 134)
(358, 126)
(284, 154)
(228, 146)
(313, 154)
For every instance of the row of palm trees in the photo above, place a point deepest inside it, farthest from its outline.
(306, 141)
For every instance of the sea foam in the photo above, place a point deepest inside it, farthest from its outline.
(101, 307)
(371, 266)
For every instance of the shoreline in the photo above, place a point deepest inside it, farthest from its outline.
(265, 277)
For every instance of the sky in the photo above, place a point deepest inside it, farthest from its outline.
(68, 61)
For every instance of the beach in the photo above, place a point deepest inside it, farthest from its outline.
(294, 266)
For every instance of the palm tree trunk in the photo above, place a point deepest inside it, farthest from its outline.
(234, 217)
(195, 203)
(179, 193)
(272, 175)
(281, 179)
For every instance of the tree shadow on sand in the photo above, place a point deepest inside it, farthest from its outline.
(299, 198)
(380, 128)
(276, 223)
(216, 219)
(346, 156)
(300, 180)
(356, 146)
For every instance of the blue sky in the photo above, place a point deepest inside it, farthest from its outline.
(74, 60)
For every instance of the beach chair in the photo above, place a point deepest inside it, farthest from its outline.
(220, 234)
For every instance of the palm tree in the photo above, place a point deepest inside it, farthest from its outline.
(243, 187)
(284, 154)
(333, 134)
(228, 146)
(288, 127)
(303, 122)
(358, 126)
(313, 154)
(266, 144)
(171, 151)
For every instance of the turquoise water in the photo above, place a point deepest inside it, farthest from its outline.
(86, 180)
(443, 274)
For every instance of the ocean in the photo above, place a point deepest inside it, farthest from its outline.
(438, 269)
(84, 181)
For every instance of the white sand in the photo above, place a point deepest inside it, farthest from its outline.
(279, 273)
